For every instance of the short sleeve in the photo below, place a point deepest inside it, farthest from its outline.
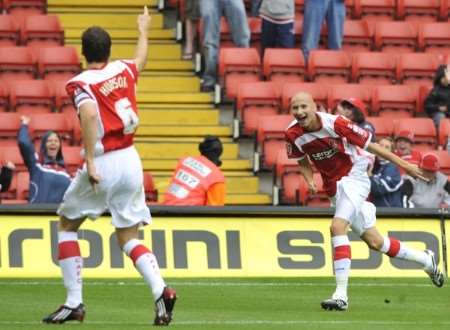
(293, 152)
(352, 132)
(131, 65)
(78, 95)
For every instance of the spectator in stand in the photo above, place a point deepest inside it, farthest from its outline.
(277, 29)
(192, 14)
(355, 109)
(48, 175)
(316, 11)
(211, 12)
(431, 194)
(403, 148)
(437, 103)
(385, 179)
(6, 173)
(256, 4)
(198, 180)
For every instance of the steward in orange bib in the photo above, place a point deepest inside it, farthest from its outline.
(198, 180)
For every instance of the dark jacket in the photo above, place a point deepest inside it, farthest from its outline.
(439, 95)
(48, 178)
(5, 178)
(385, 185)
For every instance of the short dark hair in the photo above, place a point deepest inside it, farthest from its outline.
(96, 45)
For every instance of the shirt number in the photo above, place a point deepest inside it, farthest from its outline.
(129, 118)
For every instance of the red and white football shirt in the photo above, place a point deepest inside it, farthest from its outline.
(113, 90)
(333, 148)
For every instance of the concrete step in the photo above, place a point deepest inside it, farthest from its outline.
(169, 116)
(183, 131)
(154, 165)
(72, 35)
(169, 150)
(108, 20)
(168, 84)
(181, 98)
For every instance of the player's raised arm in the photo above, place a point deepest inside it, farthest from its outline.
(411, 169)
(143, 22)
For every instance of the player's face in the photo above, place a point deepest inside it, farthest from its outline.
(53, 144)
(304, 111)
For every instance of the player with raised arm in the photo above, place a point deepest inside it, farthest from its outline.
(105, 98)
(333, 144)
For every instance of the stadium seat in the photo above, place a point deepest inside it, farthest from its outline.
(23, 8)
(255, 24)
(418, 10)
(226, 40)
(31, 96)
(319, 93)
(42, 31)
(57, 122)
(379, 10)
(434, 37)
(62, 100)
(23, 185)
(425, 137)
(396, 101)
(299, 7)
(255, 100)
(298, 31)
(295, 191)
(17, 63)
(357, 36)
(12, 153)
(395, 37)
(417, 68)
(384, 126)
(9, 31)
(283, 65)
(285, 165)
(337, 93)
(329, 66)
(444, 132)
(151, 193)
(424, 90)
(270, 136)
(238, 65)
(9, 126)
(373, 68)
(58, 63)
(72, 158)
(444, 160)
(4, 97)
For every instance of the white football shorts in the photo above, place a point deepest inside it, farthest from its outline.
(120, 190)
(351, 205)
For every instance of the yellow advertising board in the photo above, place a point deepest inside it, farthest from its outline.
(210, 247)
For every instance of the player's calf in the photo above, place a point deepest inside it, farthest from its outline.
(65, 313)
(164, 307)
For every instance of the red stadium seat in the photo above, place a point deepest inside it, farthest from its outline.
(418, 10)
(384, 126)
(63, 101)
(9, 31)
(238, 65)
(271, 137)
(319, 93)
(23, 185)
(396, 101)
(417, 68)
(226, 39)
(423, 93)
(329, 66)
(395, 37)
(57, 122)
(295, 191)
(434, 37)
(284, 65)
(444, 132)
(22, 8)
(375, 9)
(31, 96)
(255, 100)
(339, 92)
(357, 36)
(255, 25)
(58, 63)
(17, 63)
(72, 158)
(444, 160)
(9, 126)
(285, 165)
(425, 137)
(373, 68)
(151, 193)
(4, 97)
(42, 31)
(12, 153)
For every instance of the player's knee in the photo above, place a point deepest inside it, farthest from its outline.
(65, 224)
(338, 228)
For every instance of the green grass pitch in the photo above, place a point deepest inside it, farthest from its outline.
(234, 304)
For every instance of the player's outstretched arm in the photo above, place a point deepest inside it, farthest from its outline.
(143, 22)
(307, 172)
(411, 169)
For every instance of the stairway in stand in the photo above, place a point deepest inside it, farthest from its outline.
(174, 114)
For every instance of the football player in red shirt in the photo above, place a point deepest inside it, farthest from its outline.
(333, 144)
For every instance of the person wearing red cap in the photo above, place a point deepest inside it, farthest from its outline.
(432, 194)
(354, 109)
(403, 148)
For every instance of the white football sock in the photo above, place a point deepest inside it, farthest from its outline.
(342, 262)
(396, 249)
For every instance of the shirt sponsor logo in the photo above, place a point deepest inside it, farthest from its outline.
(112, 84)
(197, 167)
(327, 154)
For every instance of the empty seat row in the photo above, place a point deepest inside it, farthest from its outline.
(55, 63)
(239, 65)
(23, 8)
(35, 30)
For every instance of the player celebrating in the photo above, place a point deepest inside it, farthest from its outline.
(112, 177)
(333, 144)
